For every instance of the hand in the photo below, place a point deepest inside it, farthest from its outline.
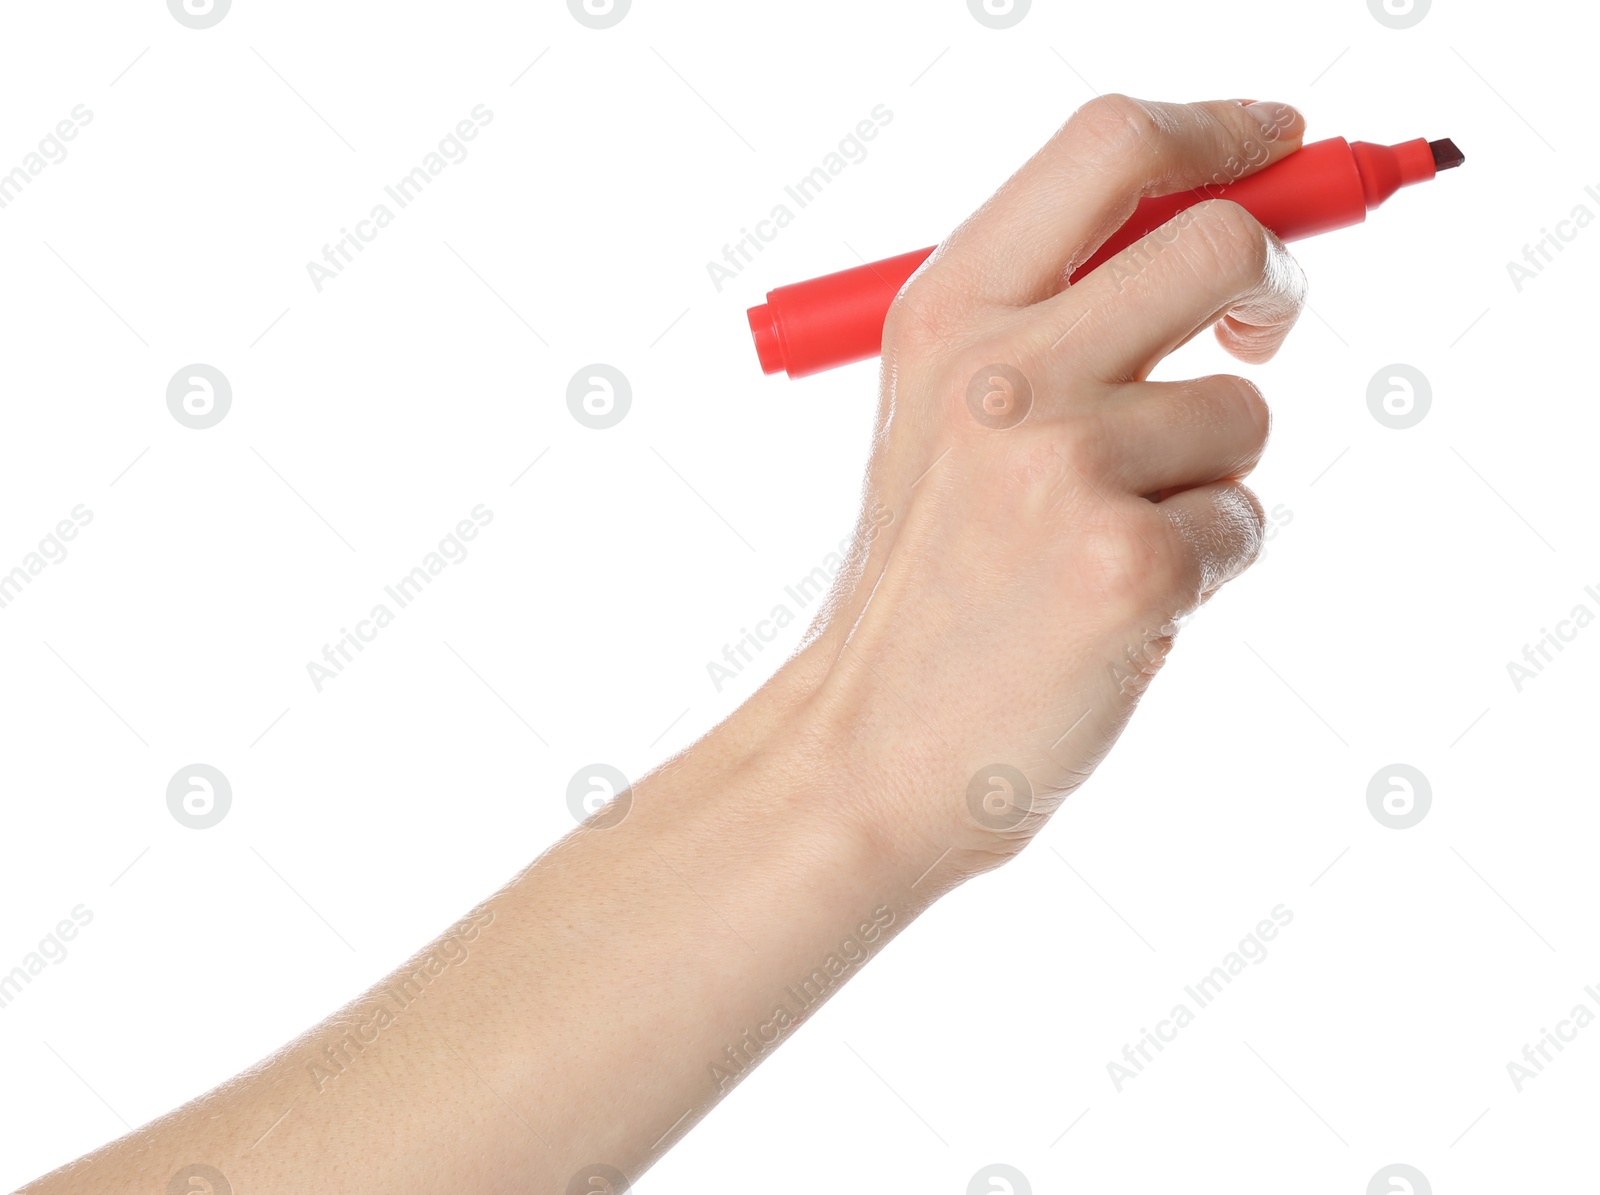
(1037, 513)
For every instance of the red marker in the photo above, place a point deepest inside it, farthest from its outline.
(834, 320)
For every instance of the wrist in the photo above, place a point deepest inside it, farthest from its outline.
(829, 759)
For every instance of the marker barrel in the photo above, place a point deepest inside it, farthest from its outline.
(811, 326)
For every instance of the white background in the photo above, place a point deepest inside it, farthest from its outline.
(369, 418)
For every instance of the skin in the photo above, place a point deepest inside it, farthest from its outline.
(1036, 516)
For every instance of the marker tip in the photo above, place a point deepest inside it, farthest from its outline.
(1445, 154)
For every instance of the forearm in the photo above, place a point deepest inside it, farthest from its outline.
(589, 1012)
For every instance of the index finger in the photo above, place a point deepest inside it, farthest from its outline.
(1050, 217)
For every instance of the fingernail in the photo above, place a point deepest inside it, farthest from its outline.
(1272, 116)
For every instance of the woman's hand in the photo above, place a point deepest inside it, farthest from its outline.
(1037, 513)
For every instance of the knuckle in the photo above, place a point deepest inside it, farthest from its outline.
(1034, 475)
(1288, 273)
(1251, 517)
(992, 385)
(1117, 127)
(1133, 564)
(1245, 509)
(1019, 485)
(917, 319)
(1258, 512)
(902, 324)
(1238, 533)
(1085, 447)
(932, 310)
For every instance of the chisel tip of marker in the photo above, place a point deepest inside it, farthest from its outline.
(1445, 154)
